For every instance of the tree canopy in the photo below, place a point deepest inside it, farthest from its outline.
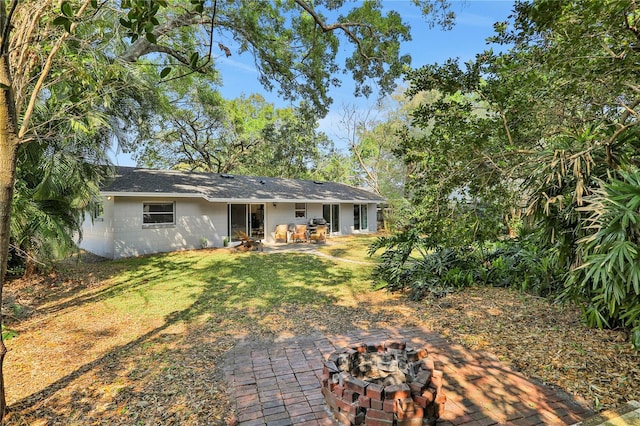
(543, 134)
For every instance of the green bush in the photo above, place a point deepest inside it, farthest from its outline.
(409, 264)
(607, 282)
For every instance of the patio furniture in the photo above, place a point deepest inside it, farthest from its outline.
(281, 233)
(300, 234)
(319, 234)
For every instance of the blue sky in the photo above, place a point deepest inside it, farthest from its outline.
(474, 23)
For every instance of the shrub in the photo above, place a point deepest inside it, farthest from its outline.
(608, 280)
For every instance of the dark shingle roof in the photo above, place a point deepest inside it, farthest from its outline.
(135, 181)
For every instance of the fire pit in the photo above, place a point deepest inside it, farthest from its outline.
(383, 384)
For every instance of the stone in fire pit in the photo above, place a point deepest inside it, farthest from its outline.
(383, 384)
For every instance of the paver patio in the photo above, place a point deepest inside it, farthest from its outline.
(278, 384)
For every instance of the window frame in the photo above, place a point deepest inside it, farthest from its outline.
(158, 213)
(297, 210)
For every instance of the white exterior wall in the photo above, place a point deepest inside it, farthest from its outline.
(195, 219)
(372, 219)
(97, 235)
(122, 234)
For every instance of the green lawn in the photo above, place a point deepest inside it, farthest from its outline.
(118, 329)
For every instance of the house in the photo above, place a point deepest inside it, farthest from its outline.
(149, 211)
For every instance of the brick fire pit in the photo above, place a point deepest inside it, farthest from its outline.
(383, 384)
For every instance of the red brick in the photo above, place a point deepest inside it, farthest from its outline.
(424, 377)
(441, 399)
(429, 395)
(376, 404)
(348, 396)
(355, 385)
(422, 353)
(404, 406)
(377, 422)
(416, 421)
(378, 415)
(397, 391)
(427, 364)
(364, 401)
(421, 400)
(338, 390)
(374, 391)
(389, 405)
(417, 388)
(345, 406)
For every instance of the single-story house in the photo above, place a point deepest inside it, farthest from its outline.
(149, 211)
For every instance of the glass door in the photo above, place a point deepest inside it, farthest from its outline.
(360, 218)
(247, 218)
(331, 213)
(237, 221)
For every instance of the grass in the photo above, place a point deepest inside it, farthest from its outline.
(142, 341)
(144, 311)
(352, 247)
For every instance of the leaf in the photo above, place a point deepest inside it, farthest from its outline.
(125, 23)
(165, 72)
(61, 20)
(151, 37)
(66, 9)
(193, 59)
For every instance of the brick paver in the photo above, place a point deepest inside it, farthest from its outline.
(279, 384)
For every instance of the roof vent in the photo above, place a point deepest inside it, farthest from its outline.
(226, 176)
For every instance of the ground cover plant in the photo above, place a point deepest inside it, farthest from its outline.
(142, 341)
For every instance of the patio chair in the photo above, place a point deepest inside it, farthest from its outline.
(320, 234)
(281, 233)
(300, 234)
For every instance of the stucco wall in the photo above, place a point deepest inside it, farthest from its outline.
(97, 235)
(194, 220)
(121, 233)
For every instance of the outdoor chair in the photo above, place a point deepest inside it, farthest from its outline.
(300, 234)
(281, 233)
(320, 234)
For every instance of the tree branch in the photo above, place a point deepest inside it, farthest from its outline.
(46, 69)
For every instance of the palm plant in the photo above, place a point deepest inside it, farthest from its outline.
(608, 281)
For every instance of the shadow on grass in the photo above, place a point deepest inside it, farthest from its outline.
(224, 286)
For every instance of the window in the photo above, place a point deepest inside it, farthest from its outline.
(301, 210)
(158, 214)
(97, 213)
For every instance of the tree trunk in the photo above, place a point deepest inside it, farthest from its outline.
(9, 142)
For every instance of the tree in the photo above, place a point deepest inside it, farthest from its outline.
(294, 47)
(201, 131)
(539, 129)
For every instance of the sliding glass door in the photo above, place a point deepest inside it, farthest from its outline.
(360, 217)
(331, 213)
(247, 218)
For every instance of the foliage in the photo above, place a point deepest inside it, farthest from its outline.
(410, 264)
(407, 264)
(527, 134)
(608, 281)
(198, 130)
